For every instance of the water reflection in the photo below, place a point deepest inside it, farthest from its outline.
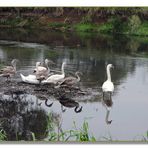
(107, 102)
(88, 53)
(19, 120)
(69, 103)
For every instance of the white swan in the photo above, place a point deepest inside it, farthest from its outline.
(108, 85)
(29, 79)
(57, 77)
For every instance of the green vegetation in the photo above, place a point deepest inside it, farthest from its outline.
(85, 27)
(56, 134)
(120, 20)
(78, 135)
(3, 136)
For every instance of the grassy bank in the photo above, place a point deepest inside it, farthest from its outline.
(131, 21)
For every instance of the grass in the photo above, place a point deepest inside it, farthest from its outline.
(59, 26)
(108, 28)
(105, 28)
(55, 133)
(3, 136)
(84, 27)
(143, 29)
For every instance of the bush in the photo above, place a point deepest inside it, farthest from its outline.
(86, 19)
(133, 23)
(120, 24)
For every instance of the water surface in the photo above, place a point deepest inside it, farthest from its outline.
(88, 53)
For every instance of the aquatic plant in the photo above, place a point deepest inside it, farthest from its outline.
(3, 136)
(55, 132)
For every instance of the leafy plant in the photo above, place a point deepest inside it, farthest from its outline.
(3, 136)
(86, 19)
(134, 23)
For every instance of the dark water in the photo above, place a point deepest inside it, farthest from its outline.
(88, 53)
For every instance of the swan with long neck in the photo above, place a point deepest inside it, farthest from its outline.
(56, 77)
(108, 85)
(9, 71)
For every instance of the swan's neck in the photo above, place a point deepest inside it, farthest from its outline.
(78, 77)
(108, 74)
(47, 67)
(14, 66)
(63, 73)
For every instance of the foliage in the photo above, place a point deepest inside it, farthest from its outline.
(3, 136)
(145, 137)
(57, 24)
(143, 29)
(57, 134)
(83, 134)
(105, 27)
(86, 19)
(84, 27)
(119, 24)
(134, 23)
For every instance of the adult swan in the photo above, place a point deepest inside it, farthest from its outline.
(56, 77)
(31, 78)
(108, 85)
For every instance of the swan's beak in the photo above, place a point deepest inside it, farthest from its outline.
(113, 66)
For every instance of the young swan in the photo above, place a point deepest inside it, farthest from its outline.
(9, 71)
(108, 85)
(44, 68)
(70, 81)
(40, 75)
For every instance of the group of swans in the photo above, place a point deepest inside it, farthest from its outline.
(43, 75)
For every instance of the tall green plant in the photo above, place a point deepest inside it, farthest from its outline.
(134, 23)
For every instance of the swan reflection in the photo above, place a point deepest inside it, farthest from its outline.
(69, 103)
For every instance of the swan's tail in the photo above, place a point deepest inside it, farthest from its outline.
(22, 77)
(1, 75)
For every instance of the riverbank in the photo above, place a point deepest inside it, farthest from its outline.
(100, 20)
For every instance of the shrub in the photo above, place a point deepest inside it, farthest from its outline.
(120, 24)
(133, 23)
(86, 19)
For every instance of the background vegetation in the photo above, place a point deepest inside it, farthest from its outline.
(123, 20)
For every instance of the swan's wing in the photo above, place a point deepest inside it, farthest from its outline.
(8, 69)
(108, 86)
(29, 79)
(69, 80)
(54, 78)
